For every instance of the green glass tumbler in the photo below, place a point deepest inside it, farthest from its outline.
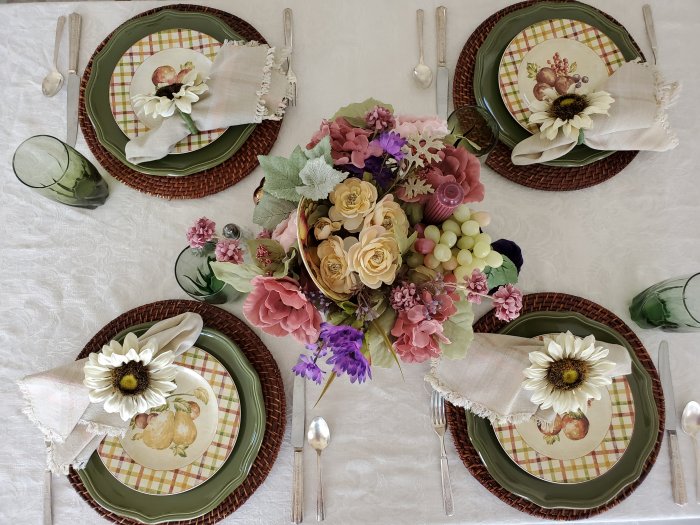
(59, 172)
(474, 129)
(672, 305)
(196, 278)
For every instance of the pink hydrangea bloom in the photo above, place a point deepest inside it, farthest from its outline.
(403, 296)
(410, 126)
(286, 231)
(460, 166)
(201, 232)
(440, 306)
(229, 250)
(279, 307)
(349, 145)
(379, 119)
(507, 301)
(477, 283)
(417, 337)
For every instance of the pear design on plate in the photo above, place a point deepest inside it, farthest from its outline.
(160, 430)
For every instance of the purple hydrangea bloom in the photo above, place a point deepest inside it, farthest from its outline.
(345, 343)
(392, 143)
(306, 367)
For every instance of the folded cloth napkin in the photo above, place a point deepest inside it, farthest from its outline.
(246, 85)
(58, 403)
(636, 121)
(488, 381)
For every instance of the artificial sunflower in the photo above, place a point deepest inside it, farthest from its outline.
(170, 97)
(570, 113)
(130, 378)
(568, 373)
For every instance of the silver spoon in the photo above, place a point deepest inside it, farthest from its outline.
(690, 421)
(319, 436)
(421, 73)
(54, 80)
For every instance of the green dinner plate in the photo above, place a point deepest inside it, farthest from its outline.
(598, 491)
(150, 508)
(489, 56)
(97, 94)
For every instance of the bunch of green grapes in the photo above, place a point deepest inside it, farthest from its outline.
(457, 246)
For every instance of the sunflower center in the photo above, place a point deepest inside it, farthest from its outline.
(169, 90)
(567, 374)
(568, 106)
(131, 378)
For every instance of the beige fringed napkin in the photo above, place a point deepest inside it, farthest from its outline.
(58, 403)
(488, 381)
(636, 121)
(246, 85)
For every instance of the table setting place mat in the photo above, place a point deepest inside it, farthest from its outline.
(579, 467)
(200, 165)
(501, 41)
(247, 386)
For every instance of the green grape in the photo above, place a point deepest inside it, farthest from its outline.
(464, 257)
(465, 243)
(451, 226)
(431, 261)
(481, 250)
(482, 217)
(470, 228)
(479, 263)
(461, 272)
(441, 252)
(494, 259)
(462, 213)
(483, 237)
(451, 264)
(448, 238)
(414, 260)
(432, 232)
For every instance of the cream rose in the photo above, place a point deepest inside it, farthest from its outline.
(333, 267)
(324, 227)
(353, 199)
(389, 214)
(375, 257)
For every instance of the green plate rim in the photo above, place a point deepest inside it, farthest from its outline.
(627, 470)
(153, 508)
(97, 94)
(487, 70)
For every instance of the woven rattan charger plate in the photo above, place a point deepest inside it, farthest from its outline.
(555, 302)
(270, 379)
(536, 176)
(205, 182)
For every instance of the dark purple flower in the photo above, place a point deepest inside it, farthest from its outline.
(306, 367)
(391, 143)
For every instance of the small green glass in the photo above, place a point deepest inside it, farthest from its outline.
(672, 305)
(195, 276)
(59, 172)
(474, 129)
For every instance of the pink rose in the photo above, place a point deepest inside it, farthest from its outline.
(418, 338)
(408, 125)
(279, 307)
(349, 145)
(286, 231)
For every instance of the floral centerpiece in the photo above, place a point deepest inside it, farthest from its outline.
(370, 253)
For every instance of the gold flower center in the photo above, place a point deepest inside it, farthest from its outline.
(568, 106)
(351, 199)
(567, 374)
(130, 378)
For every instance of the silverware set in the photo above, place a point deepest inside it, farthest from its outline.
(422, 73)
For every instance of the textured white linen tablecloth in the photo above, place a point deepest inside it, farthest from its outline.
(66, 272)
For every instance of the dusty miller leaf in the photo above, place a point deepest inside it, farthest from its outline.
(237, 275)
(322, 149)
(318, 179)
(282, 175)
(458, 329)
(270, 211)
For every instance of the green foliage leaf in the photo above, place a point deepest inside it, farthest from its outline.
(458, 329)
(376, 335)
(355, 113)
(282, 175)
(318, 179)
(275, 249)
(237, 275)
(532, 70)
(504, 274)
(201, 394)
(283, 268)
(137, 436)
(572, 67)
(329, 382)
(270, 211)
(348, 307)
(322, 149)
(406, 242)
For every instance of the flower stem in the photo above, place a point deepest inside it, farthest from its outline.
(188, 120)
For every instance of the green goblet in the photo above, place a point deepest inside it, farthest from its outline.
(196, 278)
(672, 305)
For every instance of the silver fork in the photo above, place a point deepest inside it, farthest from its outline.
(289, 42)
(48, 477)
(437, 415)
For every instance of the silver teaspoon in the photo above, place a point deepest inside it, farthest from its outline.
(319, 436)
(690, 422)
(421, 73)
(54, 80)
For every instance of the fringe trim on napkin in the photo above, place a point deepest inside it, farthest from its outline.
(667, 94)
(28, 410)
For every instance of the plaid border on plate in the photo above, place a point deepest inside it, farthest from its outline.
(537, 33)
(151, 481)
(585, 468)
(120, 82)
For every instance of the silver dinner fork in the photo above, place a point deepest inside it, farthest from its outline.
(289, 42)
(48, 477)
(437, 415)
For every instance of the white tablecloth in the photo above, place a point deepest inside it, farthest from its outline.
(66, 272)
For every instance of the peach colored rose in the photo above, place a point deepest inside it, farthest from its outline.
(353, 199)
(333, 266)
(388, 213)
(375, 257)
(418, 338)
(286, 231)
(324, 227)
(279, 307)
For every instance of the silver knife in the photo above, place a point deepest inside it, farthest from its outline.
(651, 34)
(442, 81)
(298, 431)
(677, 481)
(74, 21)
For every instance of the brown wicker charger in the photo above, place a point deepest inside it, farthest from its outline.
(200, 184)
(270, 379)
(537, 176)
(555, 302)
